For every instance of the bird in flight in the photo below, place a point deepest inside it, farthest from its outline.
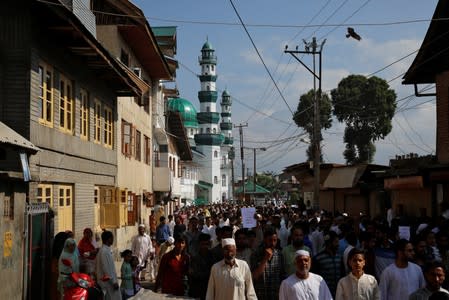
(353, 34)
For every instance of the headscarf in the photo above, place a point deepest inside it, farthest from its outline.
(87, 245)
(73, 257)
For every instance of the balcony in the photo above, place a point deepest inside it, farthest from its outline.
(211, 59)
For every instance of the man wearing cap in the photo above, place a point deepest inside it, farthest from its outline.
(303, 284)
(142, 247)
(230, 278)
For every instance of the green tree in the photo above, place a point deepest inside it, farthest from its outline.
(304, 114)
(269, 181)
(366, 106)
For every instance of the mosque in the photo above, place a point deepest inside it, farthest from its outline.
(208, 177)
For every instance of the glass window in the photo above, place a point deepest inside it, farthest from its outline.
(45, 74)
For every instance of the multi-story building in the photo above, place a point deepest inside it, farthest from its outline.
(59, 88)
(131, 41)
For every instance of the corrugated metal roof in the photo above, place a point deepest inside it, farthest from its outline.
(9, 136)
(344, 177)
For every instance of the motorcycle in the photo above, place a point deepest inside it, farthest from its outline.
(81, 286)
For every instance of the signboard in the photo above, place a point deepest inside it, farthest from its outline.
(404, 232)
(7, 244)
(248, 217)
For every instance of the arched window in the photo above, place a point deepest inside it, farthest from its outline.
(215, 130)
(223, 180)
(215, 180)
(208, 88)
(207, 109)
(215, 153)
(207, 130)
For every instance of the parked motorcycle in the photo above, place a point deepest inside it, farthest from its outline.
(81, 286)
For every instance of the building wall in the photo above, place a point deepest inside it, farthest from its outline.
(11, 270)
(413, 201)
(67, 158)
(134, 175)
(210, 167)
(442, 89)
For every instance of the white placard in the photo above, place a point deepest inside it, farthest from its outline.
(248, 217)
(404, 232)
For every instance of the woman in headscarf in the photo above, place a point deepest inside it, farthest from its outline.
(68, 263)
(88, 250)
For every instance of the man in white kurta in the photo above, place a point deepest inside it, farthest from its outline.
(303, 284)
(142, 247)
(105, 269)
(357, 285)
(230, 278)
(402, 277)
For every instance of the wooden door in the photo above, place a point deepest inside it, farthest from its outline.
(65, 208)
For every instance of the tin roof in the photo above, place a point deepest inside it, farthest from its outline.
(9, 136)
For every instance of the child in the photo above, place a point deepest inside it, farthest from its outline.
(127, 286)
(357, 280)
(135, 273)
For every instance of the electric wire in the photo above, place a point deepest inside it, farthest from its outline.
(260, 57)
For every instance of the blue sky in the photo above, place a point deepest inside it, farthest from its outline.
(240, 70)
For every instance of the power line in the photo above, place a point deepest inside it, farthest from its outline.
(220, 23)
(260, 57)
(342, 23)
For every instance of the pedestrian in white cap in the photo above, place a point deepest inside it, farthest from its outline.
(142, 248)
(230, 278)
(303, 284)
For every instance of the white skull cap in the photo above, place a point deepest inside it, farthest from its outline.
(227, 242)
(302, 253)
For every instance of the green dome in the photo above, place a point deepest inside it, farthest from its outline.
(186, 109)
(207, 46)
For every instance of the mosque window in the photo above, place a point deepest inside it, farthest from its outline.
(215, 180)
(223, 180)
(207, 130)
(215, 130)
(208, 88)
(207, 108)
(212, 68)
(215, 153)
(191, 131)
(201, 130)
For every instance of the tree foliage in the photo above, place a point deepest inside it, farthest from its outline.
(304, 114)
(366, 106)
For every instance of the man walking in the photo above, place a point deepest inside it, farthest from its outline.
(402, 277)
(142, 248)
(230, 278)
(303, 284)
(105, 268)
(434, 273)
(289, 252)
(162, 231)
(267, 267)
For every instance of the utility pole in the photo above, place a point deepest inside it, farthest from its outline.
(314, 49)
(231, 156)
(242, 156)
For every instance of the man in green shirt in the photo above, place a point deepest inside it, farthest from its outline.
(296, 243)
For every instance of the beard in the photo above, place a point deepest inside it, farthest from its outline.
(230, 259)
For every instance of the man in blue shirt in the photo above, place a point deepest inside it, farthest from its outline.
(162, 231)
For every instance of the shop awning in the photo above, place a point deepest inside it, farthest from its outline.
(344, 177)
(404, 183)
(204, 185)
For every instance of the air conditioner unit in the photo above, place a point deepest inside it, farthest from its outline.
(138, 72)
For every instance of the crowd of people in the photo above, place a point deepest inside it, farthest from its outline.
(206, 253)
